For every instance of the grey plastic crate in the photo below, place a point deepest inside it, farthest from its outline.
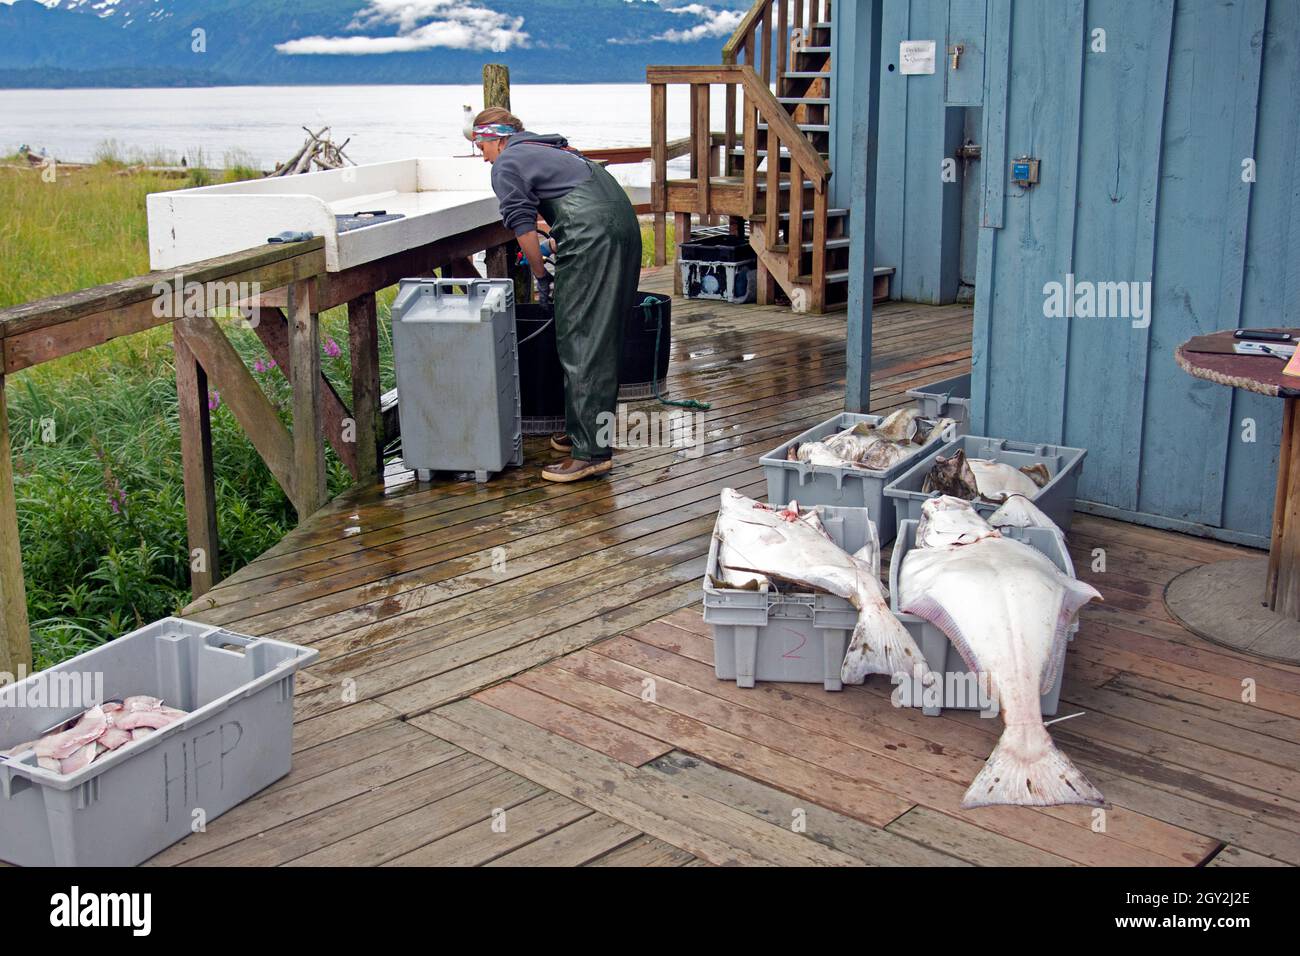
(948, 398)
(845, 487)
(940, 654)
(134, 801)
(793, 636)
(1055, 499)
(457, 364)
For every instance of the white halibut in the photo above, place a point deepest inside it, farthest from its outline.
(1007, 609)
(758, 541)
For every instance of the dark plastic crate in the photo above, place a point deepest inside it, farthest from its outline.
(717, 249)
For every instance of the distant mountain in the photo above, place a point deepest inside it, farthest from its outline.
(210, 42)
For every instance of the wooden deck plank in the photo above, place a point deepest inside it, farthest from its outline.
(644, 851)
(924, 772)
(1149, 786)
(399, 587)
(399, 836)
(311, 792)
(596, 733)
(481, 843)
(871, 845)
(582, 842)
(716, 832)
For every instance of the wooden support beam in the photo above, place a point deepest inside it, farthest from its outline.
(782, 36)
(304, 373)
(751, 158)
(818, 304)
(242, 395)
(368, 424)
(496, 86)
(498, 262)
(772, 209)
(682, 226)
(661, 239)
(196, 465)
(15, 640)
(339, 288)
(273, 329)
(767, 42)
(794, 231)
(863, 23)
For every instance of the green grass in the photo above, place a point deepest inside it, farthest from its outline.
(95, 436)
(648, 243)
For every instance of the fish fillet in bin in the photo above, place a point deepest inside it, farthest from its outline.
(129, 803)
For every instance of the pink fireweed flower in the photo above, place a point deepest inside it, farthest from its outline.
(214, 400)
(332, 349)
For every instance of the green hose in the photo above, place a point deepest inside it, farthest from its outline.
(654, 369)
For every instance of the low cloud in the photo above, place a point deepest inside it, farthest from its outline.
(421, 25)
(713, 23)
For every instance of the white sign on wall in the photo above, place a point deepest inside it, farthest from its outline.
(916, 57)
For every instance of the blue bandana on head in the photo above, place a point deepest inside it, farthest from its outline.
(493, 131)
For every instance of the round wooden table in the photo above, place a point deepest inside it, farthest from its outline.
(1250, 604)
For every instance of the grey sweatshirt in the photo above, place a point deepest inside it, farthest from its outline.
(527, 172)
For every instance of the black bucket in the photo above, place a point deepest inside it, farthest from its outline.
(651, 317)
(541, 378)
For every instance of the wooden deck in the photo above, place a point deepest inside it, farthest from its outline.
(532, 656)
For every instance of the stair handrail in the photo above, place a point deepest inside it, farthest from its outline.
(748, 24)
(809, 160)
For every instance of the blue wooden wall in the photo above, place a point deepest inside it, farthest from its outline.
(918, 215)
(1141, 150)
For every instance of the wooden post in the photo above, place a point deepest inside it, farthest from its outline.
(496, 86)
(273, 329)
(682, 225)
(782, 38)
(498, 262)
(304, 371)
(15, 640)
(363, 345)
(864, 115)
(196, 466)
(659, 167)
(794, 230)
(766, 57)
(703, 151)
(772, 209)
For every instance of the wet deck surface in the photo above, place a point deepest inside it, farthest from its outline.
(485, 655)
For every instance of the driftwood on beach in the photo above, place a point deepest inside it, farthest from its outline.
(317, 150)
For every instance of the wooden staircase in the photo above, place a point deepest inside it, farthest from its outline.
(777, 70)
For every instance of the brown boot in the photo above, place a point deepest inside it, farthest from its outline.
(575, 469)
(562, 442)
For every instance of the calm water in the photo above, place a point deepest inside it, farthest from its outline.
(264, 123)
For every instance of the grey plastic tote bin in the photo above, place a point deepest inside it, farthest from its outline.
(139, 799)
(845, 487)
(457, 363)
(948, 398)
(1055, 499)
(793, 636)
(940, 654)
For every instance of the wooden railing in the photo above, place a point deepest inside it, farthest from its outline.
(765, 34)
(757, 103)
(291, 279)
